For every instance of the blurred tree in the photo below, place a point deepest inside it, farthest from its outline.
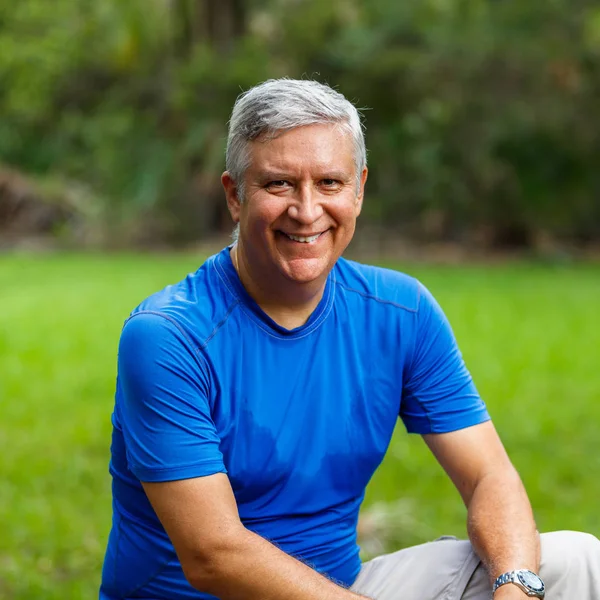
(482, 120)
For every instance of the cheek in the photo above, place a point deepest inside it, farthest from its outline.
(262, 212)
(344, 213)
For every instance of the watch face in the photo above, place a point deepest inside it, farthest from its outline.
(531, 580)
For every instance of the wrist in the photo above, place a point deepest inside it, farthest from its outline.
(509, 592)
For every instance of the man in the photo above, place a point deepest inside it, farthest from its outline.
(256, 398)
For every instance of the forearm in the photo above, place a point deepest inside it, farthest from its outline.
(249, 567)
(501, 525)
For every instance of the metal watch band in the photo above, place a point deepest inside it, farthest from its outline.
(502, 579)
(520, 578)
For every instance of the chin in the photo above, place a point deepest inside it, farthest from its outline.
(306, 273)
(304, 278)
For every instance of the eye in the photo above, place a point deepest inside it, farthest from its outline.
(278, 183)
(330, 184)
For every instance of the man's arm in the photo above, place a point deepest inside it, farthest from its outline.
(500, 520)
(220, 556)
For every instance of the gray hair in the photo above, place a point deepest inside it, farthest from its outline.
(279, 105)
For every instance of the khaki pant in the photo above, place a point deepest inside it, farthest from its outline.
(448, 569)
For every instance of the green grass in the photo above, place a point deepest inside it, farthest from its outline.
(530, 335)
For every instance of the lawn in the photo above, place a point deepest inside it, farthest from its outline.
(530, 335)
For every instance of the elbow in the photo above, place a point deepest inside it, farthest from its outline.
(202, 575)
(201, 572)
(208, 568)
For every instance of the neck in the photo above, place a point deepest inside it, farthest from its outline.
(289, 304)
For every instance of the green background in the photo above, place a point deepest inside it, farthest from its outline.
(529, 334)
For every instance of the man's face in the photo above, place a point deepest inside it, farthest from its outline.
(301, 202)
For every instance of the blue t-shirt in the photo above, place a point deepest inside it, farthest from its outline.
(298, 419)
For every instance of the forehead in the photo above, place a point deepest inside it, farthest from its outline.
(321, 146)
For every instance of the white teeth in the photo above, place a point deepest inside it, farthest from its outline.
(306, 240)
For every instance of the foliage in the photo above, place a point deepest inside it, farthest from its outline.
(525, 333)
(482, 121)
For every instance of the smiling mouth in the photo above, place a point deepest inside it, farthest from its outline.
(304, 239)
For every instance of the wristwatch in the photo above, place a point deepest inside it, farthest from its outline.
(526, 580)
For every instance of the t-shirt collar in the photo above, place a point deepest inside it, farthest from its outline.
(250, 306)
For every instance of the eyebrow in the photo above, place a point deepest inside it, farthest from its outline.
(274, 175)
(325, 174)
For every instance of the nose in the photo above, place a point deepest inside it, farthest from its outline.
(307, 207)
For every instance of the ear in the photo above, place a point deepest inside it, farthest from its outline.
(231, 195)
(361, 191)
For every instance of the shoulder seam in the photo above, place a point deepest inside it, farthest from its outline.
(219, 324)
(381, 300)
(174, 322)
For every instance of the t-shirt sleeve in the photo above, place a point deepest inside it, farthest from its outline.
(163, 398)
(438, 393)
